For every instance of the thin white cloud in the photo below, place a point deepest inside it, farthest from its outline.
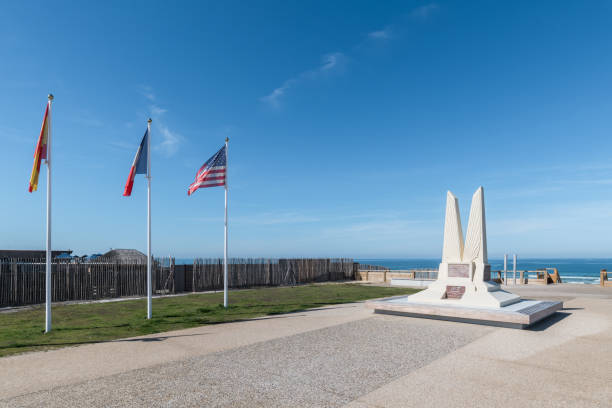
(604, 181)
(274, 218)
(123, 145)
(424, 11)
(273, 99)
(335, 60)
(147, 92)
(170, 140)
(380, 34)
(329, 63)
(396, 230)
(391, 227)
(87, 119)
(269, 218)
(17, 135)
(156, 110)
(560, 218)
(373, 219)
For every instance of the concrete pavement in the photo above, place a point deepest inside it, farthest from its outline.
(337, 356)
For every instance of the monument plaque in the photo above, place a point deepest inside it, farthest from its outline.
(487, 273)
(455, 292)
(458, 271)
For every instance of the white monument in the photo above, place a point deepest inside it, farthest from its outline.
(464, 276)
(463, 290)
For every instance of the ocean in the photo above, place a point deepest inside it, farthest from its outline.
(574, 270)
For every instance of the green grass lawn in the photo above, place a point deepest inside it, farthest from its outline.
(90, 323)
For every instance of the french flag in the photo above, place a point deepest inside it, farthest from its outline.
(139, 166)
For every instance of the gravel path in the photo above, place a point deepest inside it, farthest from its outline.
(322, 368)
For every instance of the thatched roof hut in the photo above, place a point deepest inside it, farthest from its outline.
(125, 255)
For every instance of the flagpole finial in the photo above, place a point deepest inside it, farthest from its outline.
(50, 96)
(226, 139)
(150, 120)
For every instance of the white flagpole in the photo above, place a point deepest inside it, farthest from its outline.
(149, 286)
(505, 269)
(514, 267)
(48, 255)
(225, 246)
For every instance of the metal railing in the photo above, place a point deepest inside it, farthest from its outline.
(523, 277)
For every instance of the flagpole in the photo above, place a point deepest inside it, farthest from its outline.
(48, 254)
(225, 246)
(149, 288)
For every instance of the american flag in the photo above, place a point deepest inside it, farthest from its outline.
(212, 173)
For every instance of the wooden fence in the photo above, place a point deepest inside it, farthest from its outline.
(244, 273)
(22, 281)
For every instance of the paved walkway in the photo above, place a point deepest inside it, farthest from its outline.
(336, 356)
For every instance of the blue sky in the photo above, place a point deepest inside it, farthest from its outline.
(348, 121)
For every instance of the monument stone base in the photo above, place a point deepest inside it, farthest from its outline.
(518, 315)
(465, 284)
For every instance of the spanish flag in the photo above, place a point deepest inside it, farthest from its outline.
(41, 150)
